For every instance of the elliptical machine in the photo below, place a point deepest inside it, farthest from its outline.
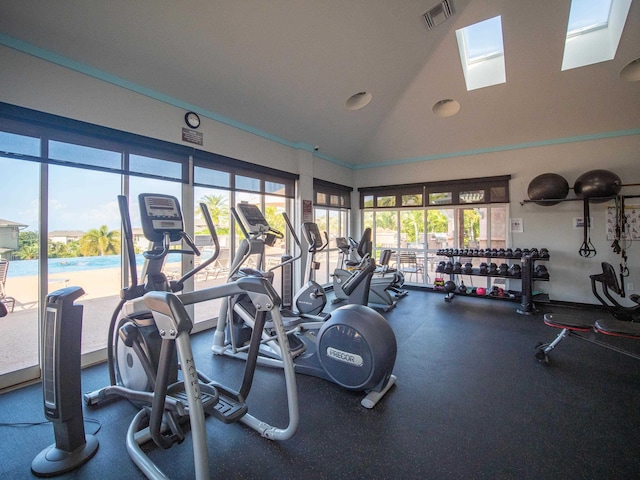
(380, 288)
(354, 347)
(150, 358)
(311, 298)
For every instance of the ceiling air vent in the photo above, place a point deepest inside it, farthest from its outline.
(439, 13)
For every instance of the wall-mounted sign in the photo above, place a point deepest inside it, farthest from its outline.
(307, 211)
(192, 136)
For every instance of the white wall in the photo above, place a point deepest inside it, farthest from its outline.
(550, 226)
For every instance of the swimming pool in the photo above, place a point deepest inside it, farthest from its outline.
(24, 268)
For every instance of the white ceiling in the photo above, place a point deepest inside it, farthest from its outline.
(285, 68)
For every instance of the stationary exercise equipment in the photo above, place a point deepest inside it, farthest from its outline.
(624, 324)
(151, 362)
(384, 270)
(382, 286)
(311, 298)
(354, 346)
(62, 396)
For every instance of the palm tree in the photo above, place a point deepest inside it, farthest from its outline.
(28, 251)
(437, 222)
(412, 224)
(101, 241)
(219, 211)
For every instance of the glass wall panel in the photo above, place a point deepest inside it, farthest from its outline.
(337, 227)
(385, 233)
(24, 145)
(321, 218)
(218, 202)
(412, 229)
(155, 166)
(83, 155)
(474, 196)
(274, 207)
(334, 223)
(499, 227)
(19, 246)
(412, 200)
(473, 231)
(213, 178)
(440, 234)
(84, 244)
(441, 198)
(248, 183)
(386, 201)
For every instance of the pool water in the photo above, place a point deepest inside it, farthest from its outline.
(23, 268)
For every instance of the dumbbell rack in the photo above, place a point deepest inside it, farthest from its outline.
(527, 273)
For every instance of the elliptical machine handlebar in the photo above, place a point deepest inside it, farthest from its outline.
(260, 228)
(178, 285)
(128, 236)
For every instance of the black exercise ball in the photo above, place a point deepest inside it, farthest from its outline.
(597, 183)
(548, 185)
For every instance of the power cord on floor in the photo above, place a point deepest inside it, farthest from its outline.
(96, 423)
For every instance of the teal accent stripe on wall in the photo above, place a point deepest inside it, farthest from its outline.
(504, 148)
(121, 82)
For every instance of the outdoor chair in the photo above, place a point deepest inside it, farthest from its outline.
(408, 265)
(219, 266)
(4, 268)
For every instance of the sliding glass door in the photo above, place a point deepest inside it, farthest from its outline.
(19, 246)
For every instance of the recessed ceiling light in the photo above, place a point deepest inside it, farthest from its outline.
(631, 71)
(446, 108)
(357, 101)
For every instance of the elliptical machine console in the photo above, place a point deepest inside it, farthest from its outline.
(161, 217)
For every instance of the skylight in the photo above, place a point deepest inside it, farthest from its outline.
(588, 15)
(482, 53)
(593, 31)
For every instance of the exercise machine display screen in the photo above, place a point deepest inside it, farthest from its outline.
(252, 218)
(160, 214)
(313, 234)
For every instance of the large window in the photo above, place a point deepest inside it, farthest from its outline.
(84, 244)
(332, 214)
(423, 219)
(19, 210)
(60, 223)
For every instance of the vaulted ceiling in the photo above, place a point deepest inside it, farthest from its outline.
(284, 69)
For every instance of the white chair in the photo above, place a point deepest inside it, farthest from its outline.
(4, 268)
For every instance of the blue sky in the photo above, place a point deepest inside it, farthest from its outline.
(78, 199)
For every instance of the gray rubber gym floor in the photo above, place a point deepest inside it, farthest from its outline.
(471, 401)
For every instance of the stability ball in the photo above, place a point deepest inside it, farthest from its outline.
(548, 185)
(597, 183)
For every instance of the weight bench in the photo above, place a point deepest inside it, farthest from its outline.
(623, 325)
(577, 327)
